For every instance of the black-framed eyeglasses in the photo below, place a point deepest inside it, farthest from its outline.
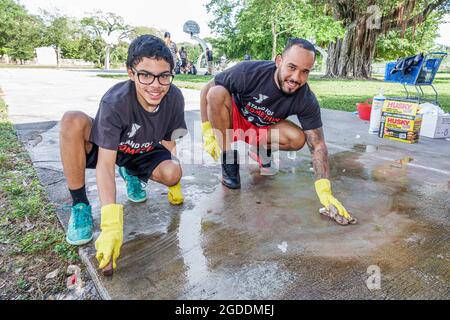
(148, 78)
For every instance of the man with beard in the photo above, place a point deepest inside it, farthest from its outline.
(251, 102)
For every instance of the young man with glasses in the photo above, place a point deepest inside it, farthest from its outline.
(251, 102)
(135, 127)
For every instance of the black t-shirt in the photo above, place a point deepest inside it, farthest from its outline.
(261, 102)
(209, 55)
(173, 49)
(122, 124)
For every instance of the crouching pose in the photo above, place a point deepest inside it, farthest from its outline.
(135, 128)
(251, 102)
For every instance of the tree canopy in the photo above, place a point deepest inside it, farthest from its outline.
(350, 30)
(99, 37)
(364, 21)
(354, 33)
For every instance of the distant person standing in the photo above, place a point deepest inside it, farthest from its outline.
(173, 48)
(247, 57)
(209, 60)
(183, 56)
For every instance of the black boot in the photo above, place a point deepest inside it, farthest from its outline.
(230, 169)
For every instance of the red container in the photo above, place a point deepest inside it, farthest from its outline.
(364, 109)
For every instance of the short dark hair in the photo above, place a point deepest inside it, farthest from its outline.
(148, 46)
(302, 43)
(166, 34)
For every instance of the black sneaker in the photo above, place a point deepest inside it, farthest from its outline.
(230, 169)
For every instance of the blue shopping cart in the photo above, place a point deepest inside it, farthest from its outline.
(416, 71)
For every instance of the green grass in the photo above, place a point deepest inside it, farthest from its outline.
(113, 76)
(31, 238)
(338, 94)
(344, 94)
(189, 81)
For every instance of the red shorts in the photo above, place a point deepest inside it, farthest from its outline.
(246, 131)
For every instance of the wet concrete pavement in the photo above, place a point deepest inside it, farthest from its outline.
(267, 240)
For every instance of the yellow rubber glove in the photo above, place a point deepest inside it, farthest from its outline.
(323, 189)
(111, 237)
(175, 195)
(209, 141)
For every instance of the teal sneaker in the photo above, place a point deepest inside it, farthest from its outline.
(135, 187)
(81, 225)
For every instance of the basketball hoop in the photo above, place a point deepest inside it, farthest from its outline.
(191, 27)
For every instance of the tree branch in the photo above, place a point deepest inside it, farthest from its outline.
(284, 31)
(390, 22)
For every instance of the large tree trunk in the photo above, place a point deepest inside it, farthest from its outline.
(58, 57)
(351, 57)
(274, 41)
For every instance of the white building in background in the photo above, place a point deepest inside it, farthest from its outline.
(46, 56)
(444, 32)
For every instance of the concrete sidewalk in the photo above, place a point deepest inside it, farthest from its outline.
(267, 240)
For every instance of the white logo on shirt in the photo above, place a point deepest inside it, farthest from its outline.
(133, 131)
(261, 98)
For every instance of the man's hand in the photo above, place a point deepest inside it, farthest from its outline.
(175, 195)
(319, 152)
(209, 141)
(323, 189)
(109, 242)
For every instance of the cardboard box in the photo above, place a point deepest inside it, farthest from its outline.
(435, 126)
(400, 121)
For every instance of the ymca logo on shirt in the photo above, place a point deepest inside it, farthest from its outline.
(135, 127)
(130, 146)
(260, 99)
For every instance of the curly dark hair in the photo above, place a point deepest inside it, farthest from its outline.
(302, 43)
(148, 46)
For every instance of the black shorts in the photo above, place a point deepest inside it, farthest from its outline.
(140, 165)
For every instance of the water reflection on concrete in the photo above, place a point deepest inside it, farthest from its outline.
(225, 244)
